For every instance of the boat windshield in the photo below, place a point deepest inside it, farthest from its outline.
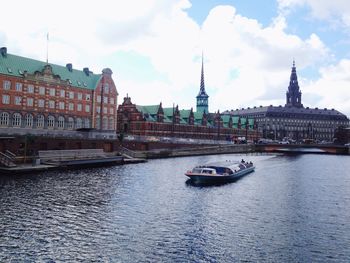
(197, 170)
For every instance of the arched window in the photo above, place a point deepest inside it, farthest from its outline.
(4, 119)
(111, 123)
(70, 123)
(104, 123)
(97, 125)
(40, 120)
(16, 120)
(86, 123)
(60, 122)
(29, 120)
(79, 123)
(50, 122)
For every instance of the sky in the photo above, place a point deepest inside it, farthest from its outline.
(155, 47)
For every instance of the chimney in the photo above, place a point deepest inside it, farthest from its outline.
(69, 66)
(86, 71)
(3, 51)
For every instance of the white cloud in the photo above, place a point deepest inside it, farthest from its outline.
(322, 9)
(246, 64)
(333, 87)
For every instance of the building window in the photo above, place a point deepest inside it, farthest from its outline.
(71, 95)
(5, 99)
(70, 123)
(79, 123)
(71, 106)
(97, 123)
(6, 84)
(51, 104)
(87, 123)
(80, 96)
(30, 89)
(18, 100)
(105, 123)
(87, 97)
(4, 119)
(40, 120)
(30, 102)
(29, 120)
(61, 105)
(41, 103)
(52, 92)
(106, 88)
(98, 109)
(111, 100)
(18, 86)
(60, 122)
(79, 107)
(16, 120)
(87, 108)
(105, 99)
(111, 123)
(42, 90)
(111, 110)
(62, 93)
(98, 98)
(105, 110)
(51, 122)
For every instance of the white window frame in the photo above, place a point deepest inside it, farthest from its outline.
(71, 106)
(6, 99)
(51, 104)
(6, 85)
(60, 123)
(52, 92)
(29, 120)
(42, 90)
(4, 119)
(18, 100)
(30, 88)
(30, 102)
(79, 107)
(40, 121)
(41, 103)
(19, 86)
(16, 120)
(50, 122)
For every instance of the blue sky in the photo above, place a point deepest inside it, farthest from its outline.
(155, 49)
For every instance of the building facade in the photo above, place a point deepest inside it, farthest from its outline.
(158, 121)
(293, 120)
(41, 98)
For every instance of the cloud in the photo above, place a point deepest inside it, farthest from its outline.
(262, 56)
(245, 63)
(336, 10)
(333, 87)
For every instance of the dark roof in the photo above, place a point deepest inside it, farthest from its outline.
(282, 110)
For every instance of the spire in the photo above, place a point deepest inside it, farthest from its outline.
(202, 97)
(294, 93)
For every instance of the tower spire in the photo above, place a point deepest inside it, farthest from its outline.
(202, 97)
(293, 94)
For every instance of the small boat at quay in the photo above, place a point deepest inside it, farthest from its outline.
(220, 173)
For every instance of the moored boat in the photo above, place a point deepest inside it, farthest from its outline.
(218, 173)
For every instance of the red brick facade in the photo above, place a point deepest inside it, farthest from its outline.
(42, 100)
(131, 121)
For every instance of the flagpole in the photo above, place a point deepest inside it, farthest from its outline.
(47, 48)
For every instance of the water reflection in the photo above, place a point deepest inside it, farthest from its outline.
(291, 209)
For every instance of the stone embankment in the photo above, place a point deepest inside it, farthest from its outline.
(177, 152)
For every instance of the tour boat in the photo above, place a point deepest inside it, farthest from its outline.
(218, 173)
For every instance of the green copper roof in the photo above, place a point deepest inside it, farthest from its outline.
(13, 65)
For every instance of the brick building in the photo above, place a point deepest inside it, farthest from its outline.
(158, 121)
(41, 98)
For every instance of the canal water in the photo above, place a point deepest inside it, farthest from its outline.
(291, 209)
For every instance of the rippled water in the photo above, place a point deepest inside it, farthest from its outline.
(291, 209)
